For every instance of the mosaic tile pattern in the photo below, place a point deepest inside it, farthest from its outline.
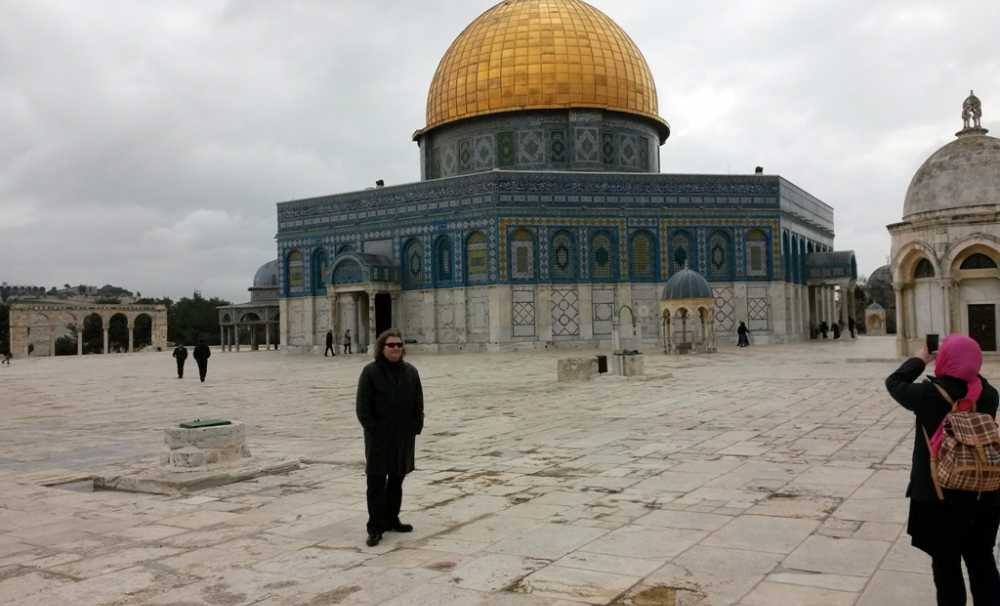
(725, 309)
(523, 301)
(565, 312)
(604, 309)
(758, 309)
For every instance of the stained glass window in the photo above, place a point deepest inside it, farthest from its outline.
(443, 249)
(600, 250)
(522, 248)
(476, 259)
(756, 253)
(643, 256)
(978, 261)
(924, 269)
(296, 271)
(413, 264)
(563, 257)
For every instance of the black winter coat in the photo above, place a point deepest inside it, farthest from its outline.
(931, 408)
(390, 407)
(202, 353)
(181, 353)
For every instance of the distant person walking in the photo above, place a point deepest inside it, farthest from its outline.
(950, 525)
(347, 341)
(390, 407)
(181, 355)
(6, 357)
(329, 344)
(201, 356)
(836, 330)
(743, 334)
(850, 325)
(823, 328)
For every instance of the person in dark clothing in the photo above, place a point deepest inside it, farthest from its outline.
(850, 325)
(329, 344)
(181, 355)
(347, 341)
(201, 356)
(836, 330)
(743, 334)
(823, 328)
(6, 357)
(964, 524)
(390, 407)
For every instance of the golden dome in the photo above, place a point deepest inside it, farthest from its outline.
(541, 54)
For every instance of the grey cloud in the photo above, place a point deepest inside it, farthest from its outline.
(145, 144)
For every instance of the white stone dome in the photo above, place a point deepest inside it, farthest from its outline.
(963, 174)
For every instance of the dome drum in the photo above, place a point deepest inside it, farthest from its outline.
(574, 140)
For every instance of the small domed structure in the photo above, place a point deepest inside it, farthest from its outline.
(267, 275)
(686, 284)
(946, 250)
(687, 309)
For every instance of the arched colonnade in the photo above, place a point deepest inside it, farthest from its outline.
(35, 327)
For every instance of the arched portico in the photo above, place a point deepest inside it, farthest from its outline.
(90, 322)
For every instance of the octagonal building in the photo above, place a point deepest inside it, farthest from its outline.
(542, 212)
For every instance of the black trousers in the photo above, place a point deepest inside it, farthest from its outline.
(347, 348)
(385, 497)
(180, 369)
(976, 548)
(202, 369)
(329, 348)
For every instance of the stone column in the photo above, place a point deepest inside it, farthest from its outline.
(236, 333)
(107, 349)
(222, 337)
(335, 321)
(371, 319)
(901, 345)
(946, 297)
(131, 338)
(253, 337)
(397, 310)
(356, 322)
(267, 334)
(79, 341)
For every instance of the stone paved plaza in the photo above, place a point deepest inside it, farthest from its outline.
(761, 477)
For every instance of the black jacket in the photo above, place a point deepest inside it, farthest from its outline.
(930, 407)
(390, 408)
(202, 353)
(181, 353)
(329, 339)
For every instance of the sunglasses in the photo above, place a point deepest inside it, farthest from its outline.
(394, 345)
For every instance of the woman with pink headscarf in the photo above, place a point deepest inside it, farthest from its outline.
(963, 525)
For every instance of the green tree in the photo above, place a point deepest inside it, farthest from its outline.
(194, 319)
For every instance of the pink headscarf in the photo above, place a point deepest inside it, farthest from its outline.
(961, 358)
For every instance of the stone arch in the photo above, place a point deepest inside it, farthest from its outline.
(643, 255)
(905, 262)
(444, 260)
(477, 266)
(118, 324)
(347, 271)
(93, 333)
(978, 243)
(564, 256)
(414, 264)
(142, 331)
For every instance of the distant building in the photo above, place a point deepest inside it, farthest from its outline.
(256, 321)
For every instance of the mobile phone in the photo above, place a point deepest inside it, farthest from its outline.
(932, 343)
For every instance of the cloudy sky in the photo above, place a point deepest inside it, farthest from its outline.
(144, 144)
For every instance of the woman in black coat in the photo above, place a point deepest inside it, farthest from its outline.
(964, 525)
(390, 407)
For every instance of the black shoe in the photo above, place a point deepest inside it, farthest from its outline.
(373, 539)
(400, 527)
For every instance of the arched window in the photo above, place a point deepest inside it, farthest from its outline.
(786, 257)
(477, 267)
(413, 264)
(296, 271)
(522, 255)
(443, 259)
(978, 261)
(601, 257)
(318, 270)
(345, 248)
(643, 257)
(563, 257)
(680, 251)
(757, 253)
(720, 258)
(924, 269)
